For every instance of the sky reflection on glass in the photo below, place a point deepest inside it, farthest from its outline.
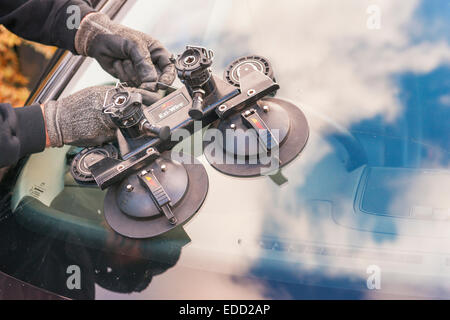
(370, 188)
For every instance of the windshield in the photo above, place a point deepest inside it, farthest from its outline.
(365, 212)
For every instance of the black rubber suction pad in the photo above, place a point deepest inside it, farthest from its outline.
(235, 156)
(131, 212)
(87, 157)
(233, 70)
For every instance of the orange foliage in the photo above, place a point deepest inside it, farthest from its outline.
(13, 85)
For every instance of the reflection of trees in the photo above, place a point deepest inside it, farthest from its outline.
(13, 84)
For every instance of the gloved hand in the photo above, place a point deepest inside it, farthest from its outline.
(127, 54)
(78, 119)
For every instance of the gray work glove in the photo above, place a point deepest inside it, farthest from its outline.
(78, 119)
(127, 54)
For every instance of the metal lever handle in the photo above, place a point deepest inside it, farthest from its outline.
(252, 120)
(162, 132)
(196, 111)
(158, 194)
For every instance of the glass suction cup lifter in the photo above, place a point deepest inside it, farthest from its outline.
(194, 70)
(125, 110)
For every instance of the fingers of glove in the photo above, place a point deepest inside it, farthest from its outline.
(161, 58)
(131, 73)
(160, 55)
(149, 86)
(80, 119)
(142, 62)
(124, 71)
(148, 98)
(168, 75)
(134, 48)
(107, 64)
(119, 69)
(123, 58)
(109, 46)
(109, 51)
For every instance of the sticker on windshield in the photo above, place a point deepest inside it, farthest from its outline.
(36, 191)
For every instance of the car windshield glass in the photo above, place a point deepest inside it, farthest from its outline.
(365, 212)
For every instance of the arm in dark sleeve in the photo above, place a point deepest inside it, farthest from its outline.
(43, 21)
(22, 132)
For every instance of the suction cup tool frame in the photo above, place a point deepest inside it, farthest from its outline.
(289, 148)
(79, 167)
(184, 210)
(256, 62)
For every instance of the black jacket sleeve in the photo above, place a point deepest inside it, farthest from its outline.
(43, 21)
(22, 131)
